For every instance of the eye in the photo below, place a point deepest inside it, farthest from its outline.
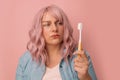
(59, 23)
(46, 25)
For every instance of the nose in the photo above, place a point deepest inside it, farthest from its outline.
(54, 28)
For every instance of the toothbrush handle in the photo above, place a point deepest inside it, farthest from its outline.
(80, 48)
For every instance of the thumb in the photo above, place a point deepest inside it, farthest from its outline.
(78, 52)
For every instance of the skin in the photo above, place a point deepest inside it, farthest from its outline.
(51, 27)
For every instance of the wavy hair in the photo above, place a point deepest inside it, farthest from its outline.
(36, 44)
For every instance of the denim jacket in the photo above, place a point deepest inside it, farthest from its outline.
(28, 69)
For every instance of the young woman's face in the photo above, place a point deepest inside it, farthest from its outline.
(53, 30)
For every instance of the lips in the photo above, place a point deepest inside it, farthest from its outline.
(55, 36)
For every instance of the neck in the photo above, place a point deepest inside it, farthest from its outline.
(53, 50)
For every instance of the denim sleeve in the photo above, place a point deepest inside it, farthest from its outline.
(22, 65)
(90, 68)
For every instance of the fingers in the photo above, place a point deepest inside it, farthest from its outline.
(81, 70)
(80, 54)
(81, 65)
(80, 60)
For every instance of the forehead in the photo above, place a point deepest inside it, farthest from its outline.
(52, 15)
(48, 17)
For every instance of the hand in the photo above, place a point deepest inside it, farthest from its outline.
(81, 65)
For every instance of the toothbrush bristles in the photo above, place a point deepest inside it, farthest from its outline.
(80, 26)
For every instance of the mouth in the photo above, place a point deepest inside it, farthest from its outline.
(55, 36)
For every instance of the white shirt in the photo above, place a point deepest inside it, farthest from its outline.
(52, 73)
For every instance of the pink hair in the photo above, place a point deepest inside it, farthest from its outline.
(36, 44)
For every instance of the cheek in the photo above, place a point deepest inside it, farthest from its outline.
(61, 29)
(62, 32)
(45, 34)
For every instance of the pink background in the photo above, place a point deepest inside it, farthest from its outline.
(101, 21)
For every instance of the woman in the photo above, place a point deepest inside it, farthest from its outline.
(52, 53)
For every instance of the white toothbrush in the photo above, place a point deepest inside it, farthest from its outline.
(80, 36)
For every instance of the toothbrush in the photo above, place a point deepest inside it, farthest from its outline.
(80, 34)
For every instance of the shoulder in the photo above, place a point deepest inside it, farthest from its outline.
(25, 58)
(23, 64)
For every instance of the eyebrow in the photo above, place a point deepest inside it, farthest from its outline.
(45, 21)
(50, 21)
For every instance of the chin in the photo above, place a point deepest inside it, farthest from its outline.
(55, 42)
